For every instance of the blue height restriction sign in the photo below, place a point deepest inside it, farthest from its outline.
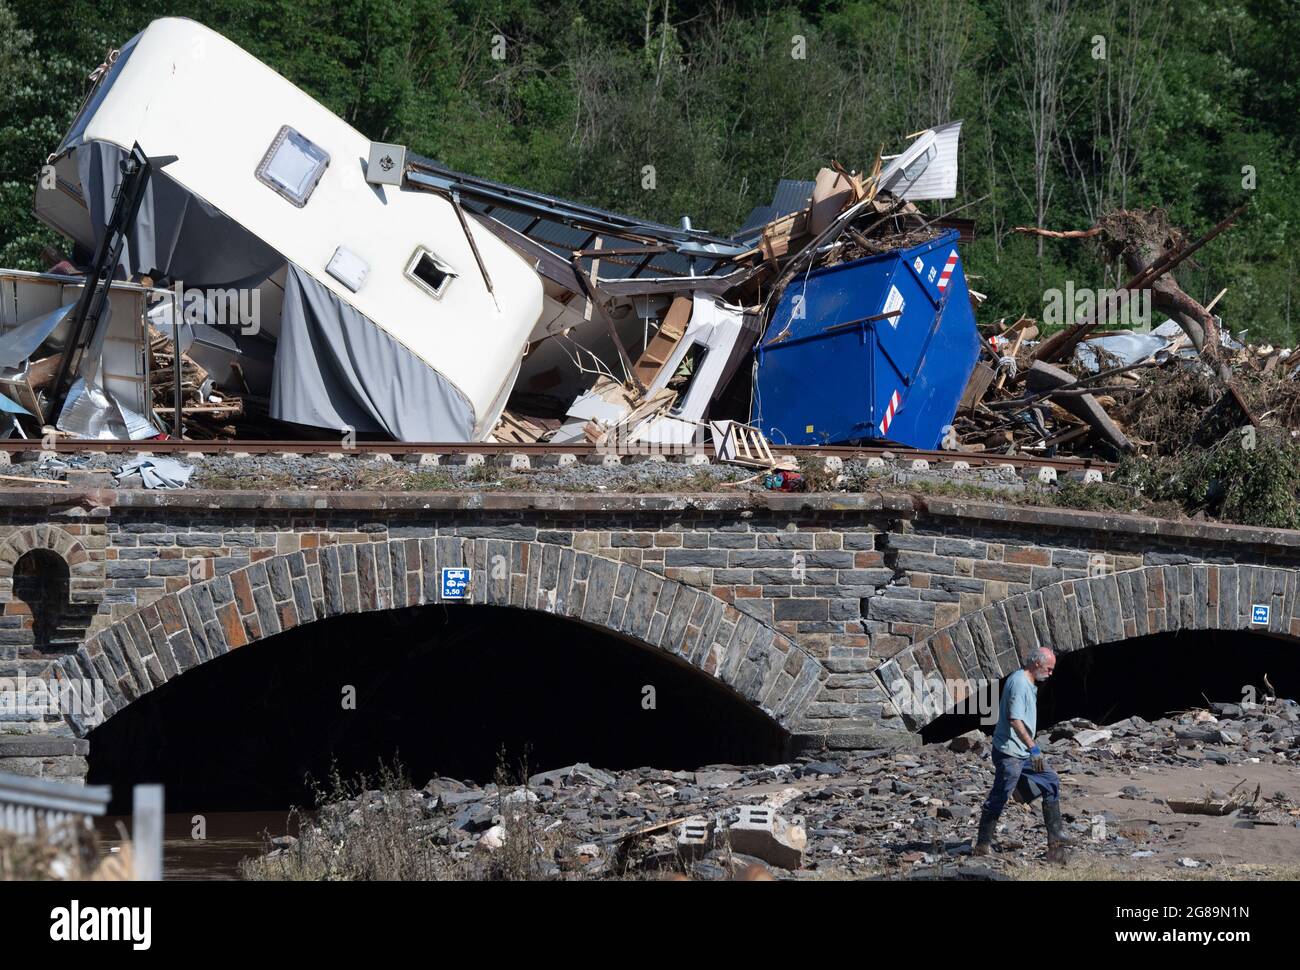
(455, 583)
(1259, 613)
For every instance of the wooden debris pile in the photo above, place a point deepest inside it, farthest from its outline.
(845, 219)
(1162, 404)
(206, 413)
(1015, 402)
(516, 429)
(1063, 393)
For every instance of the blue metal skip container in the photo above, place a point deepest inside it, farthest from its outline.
(875, 349)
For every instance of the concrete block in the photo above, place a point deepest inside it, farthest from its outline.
(696, 836)
(762, 833)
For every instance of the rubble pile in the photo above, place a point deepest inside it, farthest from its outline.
(889, 813)
(1096, 388)
(467, 310)
(206, 412)
(1124, 393)
(280, 302)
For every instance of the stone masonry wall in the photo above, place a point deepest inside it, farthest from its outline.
(853, 580)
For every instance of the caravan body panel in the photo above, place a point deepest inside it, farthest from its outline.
(181, 89)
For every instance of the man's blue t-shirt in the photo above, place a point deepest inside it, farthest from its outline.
(1019, 701)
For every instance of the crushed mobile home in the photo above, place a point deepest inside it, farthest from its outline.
(373, 314)
(271, 266)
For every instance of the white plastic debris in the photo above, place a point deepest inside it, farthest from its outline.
(157, 472)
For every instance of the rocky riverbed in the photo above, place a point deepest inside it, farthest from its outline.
(890, 813)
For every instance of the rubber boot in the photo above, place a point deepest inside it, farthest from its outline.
(984, 841)
(1058, 843)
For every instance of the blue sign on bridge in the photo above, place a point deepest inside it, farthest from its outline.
(455, 583)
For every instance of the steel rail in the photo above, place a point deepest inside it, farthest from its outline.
(363, 448)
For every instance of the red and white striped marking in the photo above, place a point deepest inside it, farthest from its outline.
(948, 267)
(890, 411)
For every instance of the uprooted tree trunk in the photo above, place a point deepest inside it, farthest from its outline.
(1141, 239)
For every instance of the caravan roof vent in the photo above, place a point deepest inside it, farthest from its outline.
(428, 272)
(292, 166)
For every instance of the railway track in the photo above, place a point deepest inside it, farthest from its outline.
(538, 451)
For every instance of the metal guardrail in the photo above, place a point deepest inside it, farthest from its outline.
(29, 804)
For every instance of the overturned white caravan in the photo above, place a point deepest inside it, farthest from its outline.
(380, 309)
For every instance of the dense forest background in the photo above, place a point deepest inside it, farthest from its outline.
(1070, 109)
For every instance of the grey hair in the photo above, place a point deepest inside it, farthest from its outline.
(1037, 657)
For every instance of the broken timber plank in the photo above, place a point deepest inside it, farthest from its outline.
(1043, 378)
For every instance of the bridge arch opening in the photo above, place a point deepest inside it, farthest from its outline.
(1152, 677)
(41, 597)
(447, 690)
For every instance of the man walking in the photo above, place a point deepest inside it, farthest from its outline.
(1018, 763)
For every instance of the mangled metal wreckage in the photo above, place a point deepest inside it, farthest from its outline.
(324, 281)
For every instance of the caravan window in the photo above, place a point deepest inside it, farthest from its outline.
(292, 166)
(428, 272)
(683, 378)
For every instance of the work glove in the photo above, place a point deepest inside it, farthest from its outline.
(1037, 759)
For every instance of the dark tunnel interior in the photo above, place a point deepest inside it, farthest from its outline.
(1152, 677)
(451, 691)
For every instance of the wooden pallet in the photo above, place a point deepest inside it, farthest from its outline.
(743, 444)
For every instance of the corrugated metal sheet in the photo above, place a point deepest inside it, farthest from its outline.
(760, 215)
(791, 195)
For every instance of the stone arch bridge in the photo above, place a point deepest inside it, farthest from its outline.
(823, 611)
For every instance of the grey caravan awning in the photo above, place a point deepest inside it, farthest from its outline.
(334, 368)
(176, 234)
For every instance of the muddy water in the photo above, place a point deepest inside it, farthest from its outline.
(230, 837)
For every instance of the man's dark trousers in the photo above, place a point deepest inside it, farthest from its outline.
(1010, 772)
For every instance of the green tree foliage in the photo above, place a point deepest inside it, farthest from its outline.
(665, 108)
